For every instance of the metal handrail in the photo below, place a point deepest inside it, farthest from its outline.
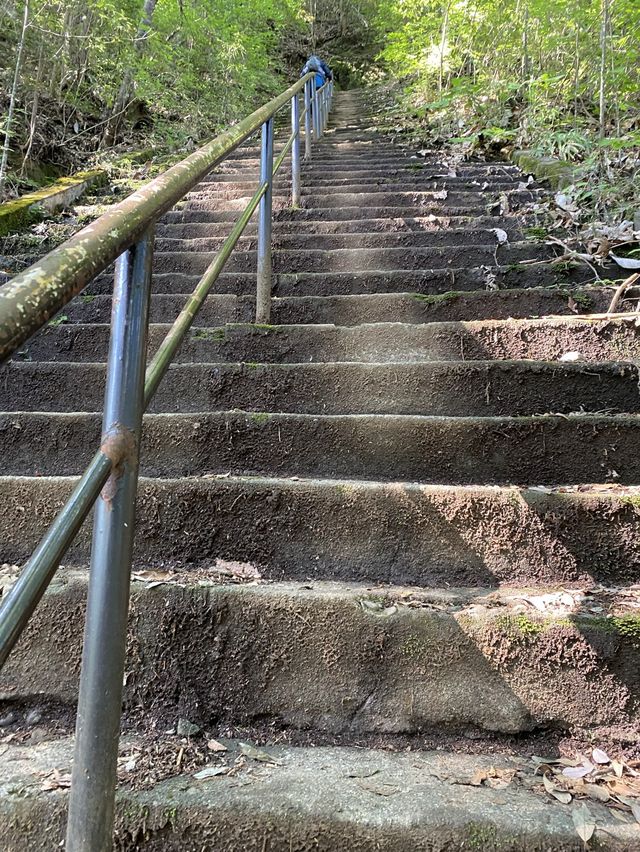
(29, 299)
(126, 234)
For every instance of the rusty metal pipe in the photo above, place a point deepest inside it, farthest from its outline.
(29, 299)
(265, 216)
(26, 592)
(20, 602)
(93, 778)
(295, 152)
(307, 120)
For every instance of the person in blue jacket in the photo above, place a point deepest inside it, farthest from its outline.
(322, 71)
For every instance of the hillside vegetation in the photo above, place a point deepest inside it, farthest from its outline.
(92, 78)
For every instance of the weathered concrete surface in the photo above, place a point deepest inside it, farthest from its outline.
(382, 447)
(428, 388)
(549, 339)
(343, 657)
(321, 799)
(348, 529)
(355, 310)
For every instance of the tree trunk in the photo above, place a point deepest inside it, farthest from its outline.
(34, 110)
(443, 44)
(604, 28)
(14, 91)
(127, 85)
(526, 62)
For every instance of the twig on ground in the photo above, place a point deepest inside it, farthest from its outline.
(617, 296)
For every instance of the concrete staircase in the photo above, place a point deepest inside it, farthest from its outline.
(386, 546)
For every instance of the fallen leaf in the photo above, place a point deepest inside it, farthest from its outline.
(154, 578)
(238, 570)
(478, 777)
(577, 771)
(597, 792)
(635, 810)
(561, 795)
(214, 745)
(185, 728)
(254, 753)
(600, 756)
(620, 788)
(625, 262)
(211, 772)
(584, 823)
(501, 236)
(56, 781)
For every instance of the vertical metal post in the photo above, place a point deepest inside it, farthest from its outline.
(307, 120)
(295, 152)
(91, 803)
(263, 292)
(316, 111)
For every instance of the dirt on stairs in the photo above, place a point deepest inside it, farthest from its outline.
(388, 547)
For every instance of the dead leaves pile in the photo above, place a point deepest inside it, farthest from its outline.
(223, 571)
(56, 780)
(609, 781)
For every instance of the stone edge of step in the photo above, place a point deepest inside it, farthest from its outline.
(344, 798)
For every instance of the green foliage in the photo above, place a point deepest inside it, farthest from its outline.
(521, 71)
(171, 71)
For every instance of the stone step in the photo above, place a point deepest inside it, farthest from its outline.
(358, 259)
(354, 530)
(459, 449)
(349, 658)
(548, 339)
(362, 176)
(203, 212)
(355, 310)
(426, 282)
(495, 388)
(367, 201)
(222, 190)
(512, 225)
(345, 798)
(330, 242)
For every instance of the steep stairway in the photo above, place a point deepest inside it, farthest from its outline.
(387, 546)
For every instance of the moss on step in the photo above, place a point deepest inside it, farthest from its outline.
(582, 300)
(482, 837)
(440, 299)
(17, 215)
(259, 417)
(626, 626)
(558, 173)
(523, 625)
(208, 334)
(535, 232)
